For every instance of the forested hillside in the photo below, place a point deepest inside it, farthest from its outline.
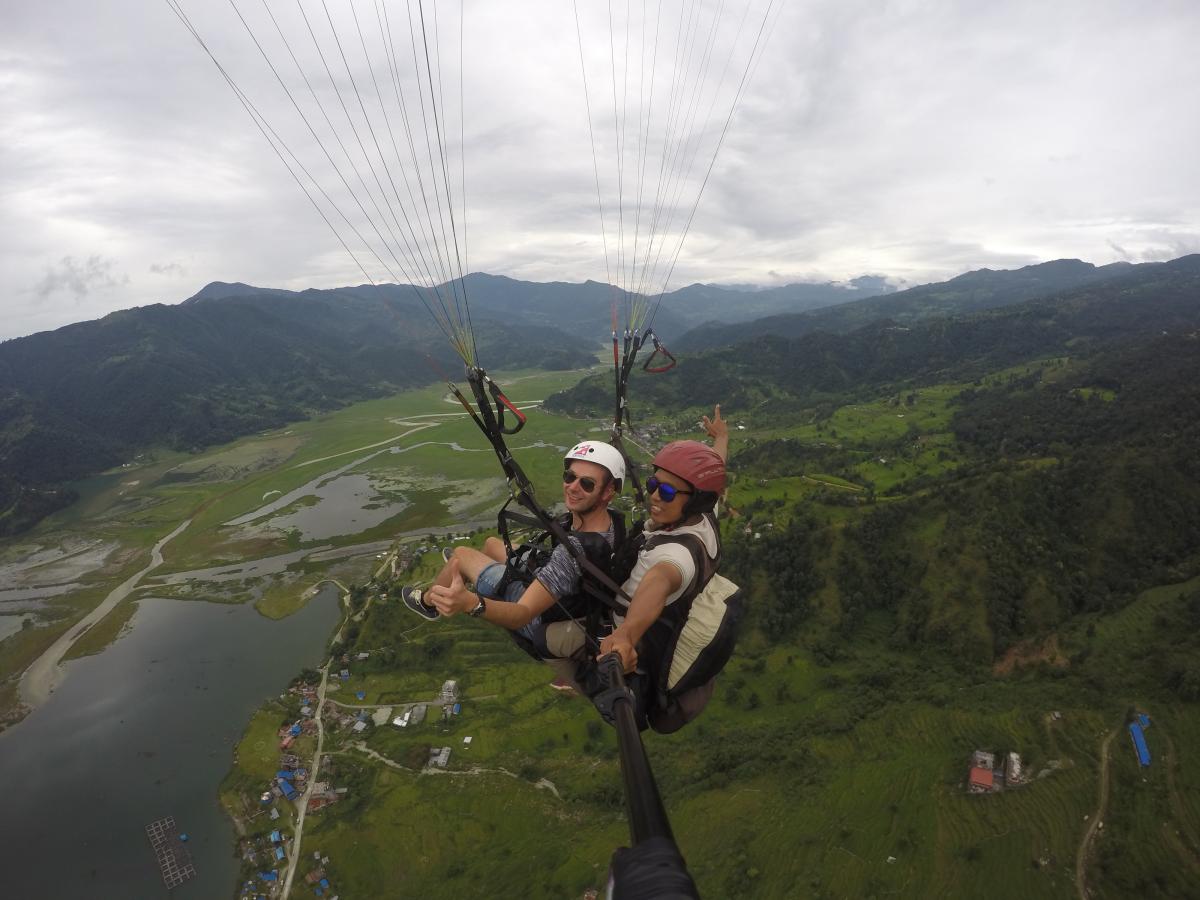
(970, 292)
(235, 358)
(821, 367)
(86, 397)
(981, 478)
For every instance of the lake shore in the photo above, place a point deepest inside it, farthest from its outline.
(46, 673)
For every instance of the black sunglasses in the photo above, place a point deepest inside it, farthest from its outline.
(665, 491)
(588, 484)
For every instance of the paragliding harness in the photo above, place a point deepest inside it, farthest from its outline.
(591, 553)
(691, 641)
(526, 558)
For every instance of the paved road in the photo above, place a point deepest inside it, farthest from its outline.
(1081, 857)
(46, 672)
(313, 777)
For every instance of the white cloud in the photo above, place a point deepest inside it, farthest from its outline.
(78, 278)
(912, 139)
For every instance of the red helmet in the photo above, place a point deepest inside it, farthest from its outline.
(698, 464)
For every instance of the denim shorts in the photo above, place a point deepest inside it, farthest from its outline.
(485, 586)
(489, 580)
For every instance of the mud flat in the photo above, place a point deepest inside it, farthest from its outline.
(46, 672)
(32, 566)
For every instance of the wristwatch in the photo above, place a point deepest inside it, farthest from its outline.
(478, 610)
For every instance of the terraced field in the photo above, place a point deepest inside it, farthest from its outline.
(799, 780)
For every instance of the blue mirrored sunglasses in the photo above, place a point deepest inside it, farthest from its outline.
(665, 491)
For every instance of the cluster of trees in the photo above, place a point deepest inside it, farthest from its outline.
(1177, 637)
(778, 569)
(1078, 487)
(800, 374)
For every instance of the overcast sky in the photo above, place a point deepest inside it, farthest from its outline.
(915, 140)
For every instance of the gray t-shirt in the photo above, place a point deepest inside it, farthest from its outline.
(561, 574)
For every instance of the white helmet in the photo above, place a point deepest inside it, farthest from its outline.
(601, 454)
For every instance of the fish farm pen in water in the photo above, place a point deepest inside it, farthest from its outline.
(174, 860)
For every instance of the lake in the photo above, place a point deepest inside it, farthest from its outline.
(144, 730)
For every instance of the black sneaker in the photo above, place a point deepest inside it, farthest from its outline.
(412, 599)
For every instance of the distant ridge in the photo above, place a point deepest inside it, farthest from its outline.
(219, 290)
(785, 371)
(970, 292)
(232, 360)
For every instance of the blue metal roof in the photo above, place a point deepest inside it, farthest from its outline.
(1144, 720)
(1139, 743)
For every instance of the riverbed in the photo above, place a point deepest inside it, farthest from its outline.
(144, 730)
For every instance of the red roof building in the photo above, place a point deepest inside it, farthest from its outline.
(980, 780)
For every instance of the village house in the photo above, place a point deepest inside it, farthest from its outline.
(1012, 770)
(980, 781)
(980, 778)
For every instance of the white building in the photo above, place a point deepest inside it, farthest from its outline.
(983, 759)
(1012, 769)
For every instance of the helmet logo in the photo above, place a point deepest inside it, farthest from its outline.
(582, 450)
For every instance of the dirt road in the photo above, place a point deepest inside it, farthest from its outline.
(313, 777)
(1097, 818)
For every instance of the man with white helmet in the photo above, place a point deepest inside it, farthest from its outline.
(592, 475)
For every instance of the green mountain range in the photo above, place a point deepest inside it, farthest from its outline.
(970, 292)
(234, 359)
(228, 362)
(1007, 470)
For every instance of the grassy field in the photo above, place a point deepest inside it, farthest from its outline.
(800, 780)
(137, 504)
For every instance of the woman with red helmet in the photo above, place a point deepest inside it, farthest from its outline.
(683, 545)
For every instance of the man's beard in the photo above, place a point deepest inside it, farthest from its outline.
(591, 509)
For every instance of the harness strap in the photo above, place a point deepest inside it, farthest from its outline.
(519, 485)
(706, 567)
